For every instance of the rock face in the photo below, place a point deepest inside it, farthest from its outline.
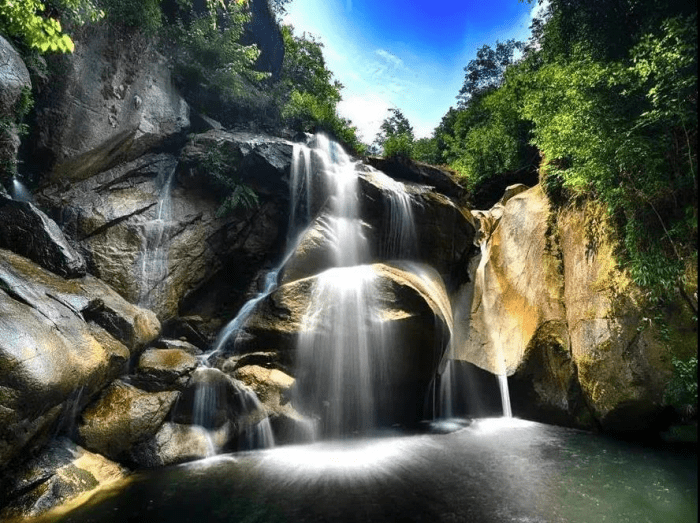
(551, 310)
(145, 229)
(14, 79)
(263, 31)
(114, 101)
(20, 221)
(61, 341)
(62, 472)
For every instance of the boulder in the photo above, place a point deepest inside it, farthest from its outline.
(273, 388)
(407, 331)
(122, 417)
(213, 400)
(61, 473)
(26, 230)
(164, 369)
(176, 443)
(51, 347)
(114, 100)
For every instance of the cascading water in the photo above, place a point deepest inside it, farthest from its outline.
(20, 191)
(154, 257)
(206, 396)
(401, 241)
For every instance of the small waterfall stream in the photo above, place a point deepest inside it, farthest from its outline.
(154, 256)
(19, 191)
(488, 305)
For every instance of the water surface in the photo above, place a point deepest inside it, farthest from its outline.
(494, 470)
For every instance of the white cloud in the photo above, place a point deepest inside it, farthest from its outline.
(389, 58)
(367, 112)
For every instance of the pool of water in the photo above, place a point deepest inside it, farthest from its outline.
(493, 470)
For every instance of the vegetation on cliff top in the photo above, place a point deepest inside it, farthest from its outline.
(601, 103)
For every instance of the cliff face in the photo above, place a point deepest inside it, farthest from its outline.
(553, 311)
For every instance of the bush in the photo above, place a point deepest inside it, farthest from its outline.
(219, 165)
(682, 391)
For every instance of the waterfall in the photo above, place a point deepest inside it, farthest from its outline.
(301, 192)
(154, 257)
(488, 305)
(401, 240)
(20, 191)
(260, 436)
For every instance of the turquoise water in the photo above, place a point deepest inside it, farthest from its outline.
(494, 470)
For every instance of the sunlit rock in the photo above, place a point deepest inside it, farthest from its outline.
(162, 369)
(623, 366)
(63, 472)
(54, 356)
(122, 416)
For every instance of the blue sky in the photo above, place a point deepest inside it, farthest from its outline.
(405, 54)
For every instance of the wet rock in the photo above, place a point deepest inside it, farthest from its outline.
(48, 247)
(164, 369)
(114, 100)
(274, 390)
(121, 417)
(49, 350)
(212, 400)
(176, 443)
(444, 231)
(61, 473)
(14, 79)
(412, 312)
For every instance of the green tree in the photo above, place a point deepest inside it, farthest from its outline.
(485, 72)
(207, 53)
(31, 22)
(395, 136)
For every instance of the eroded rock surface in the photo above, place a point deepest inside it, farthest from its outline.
(61, 341)
(115, 100)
